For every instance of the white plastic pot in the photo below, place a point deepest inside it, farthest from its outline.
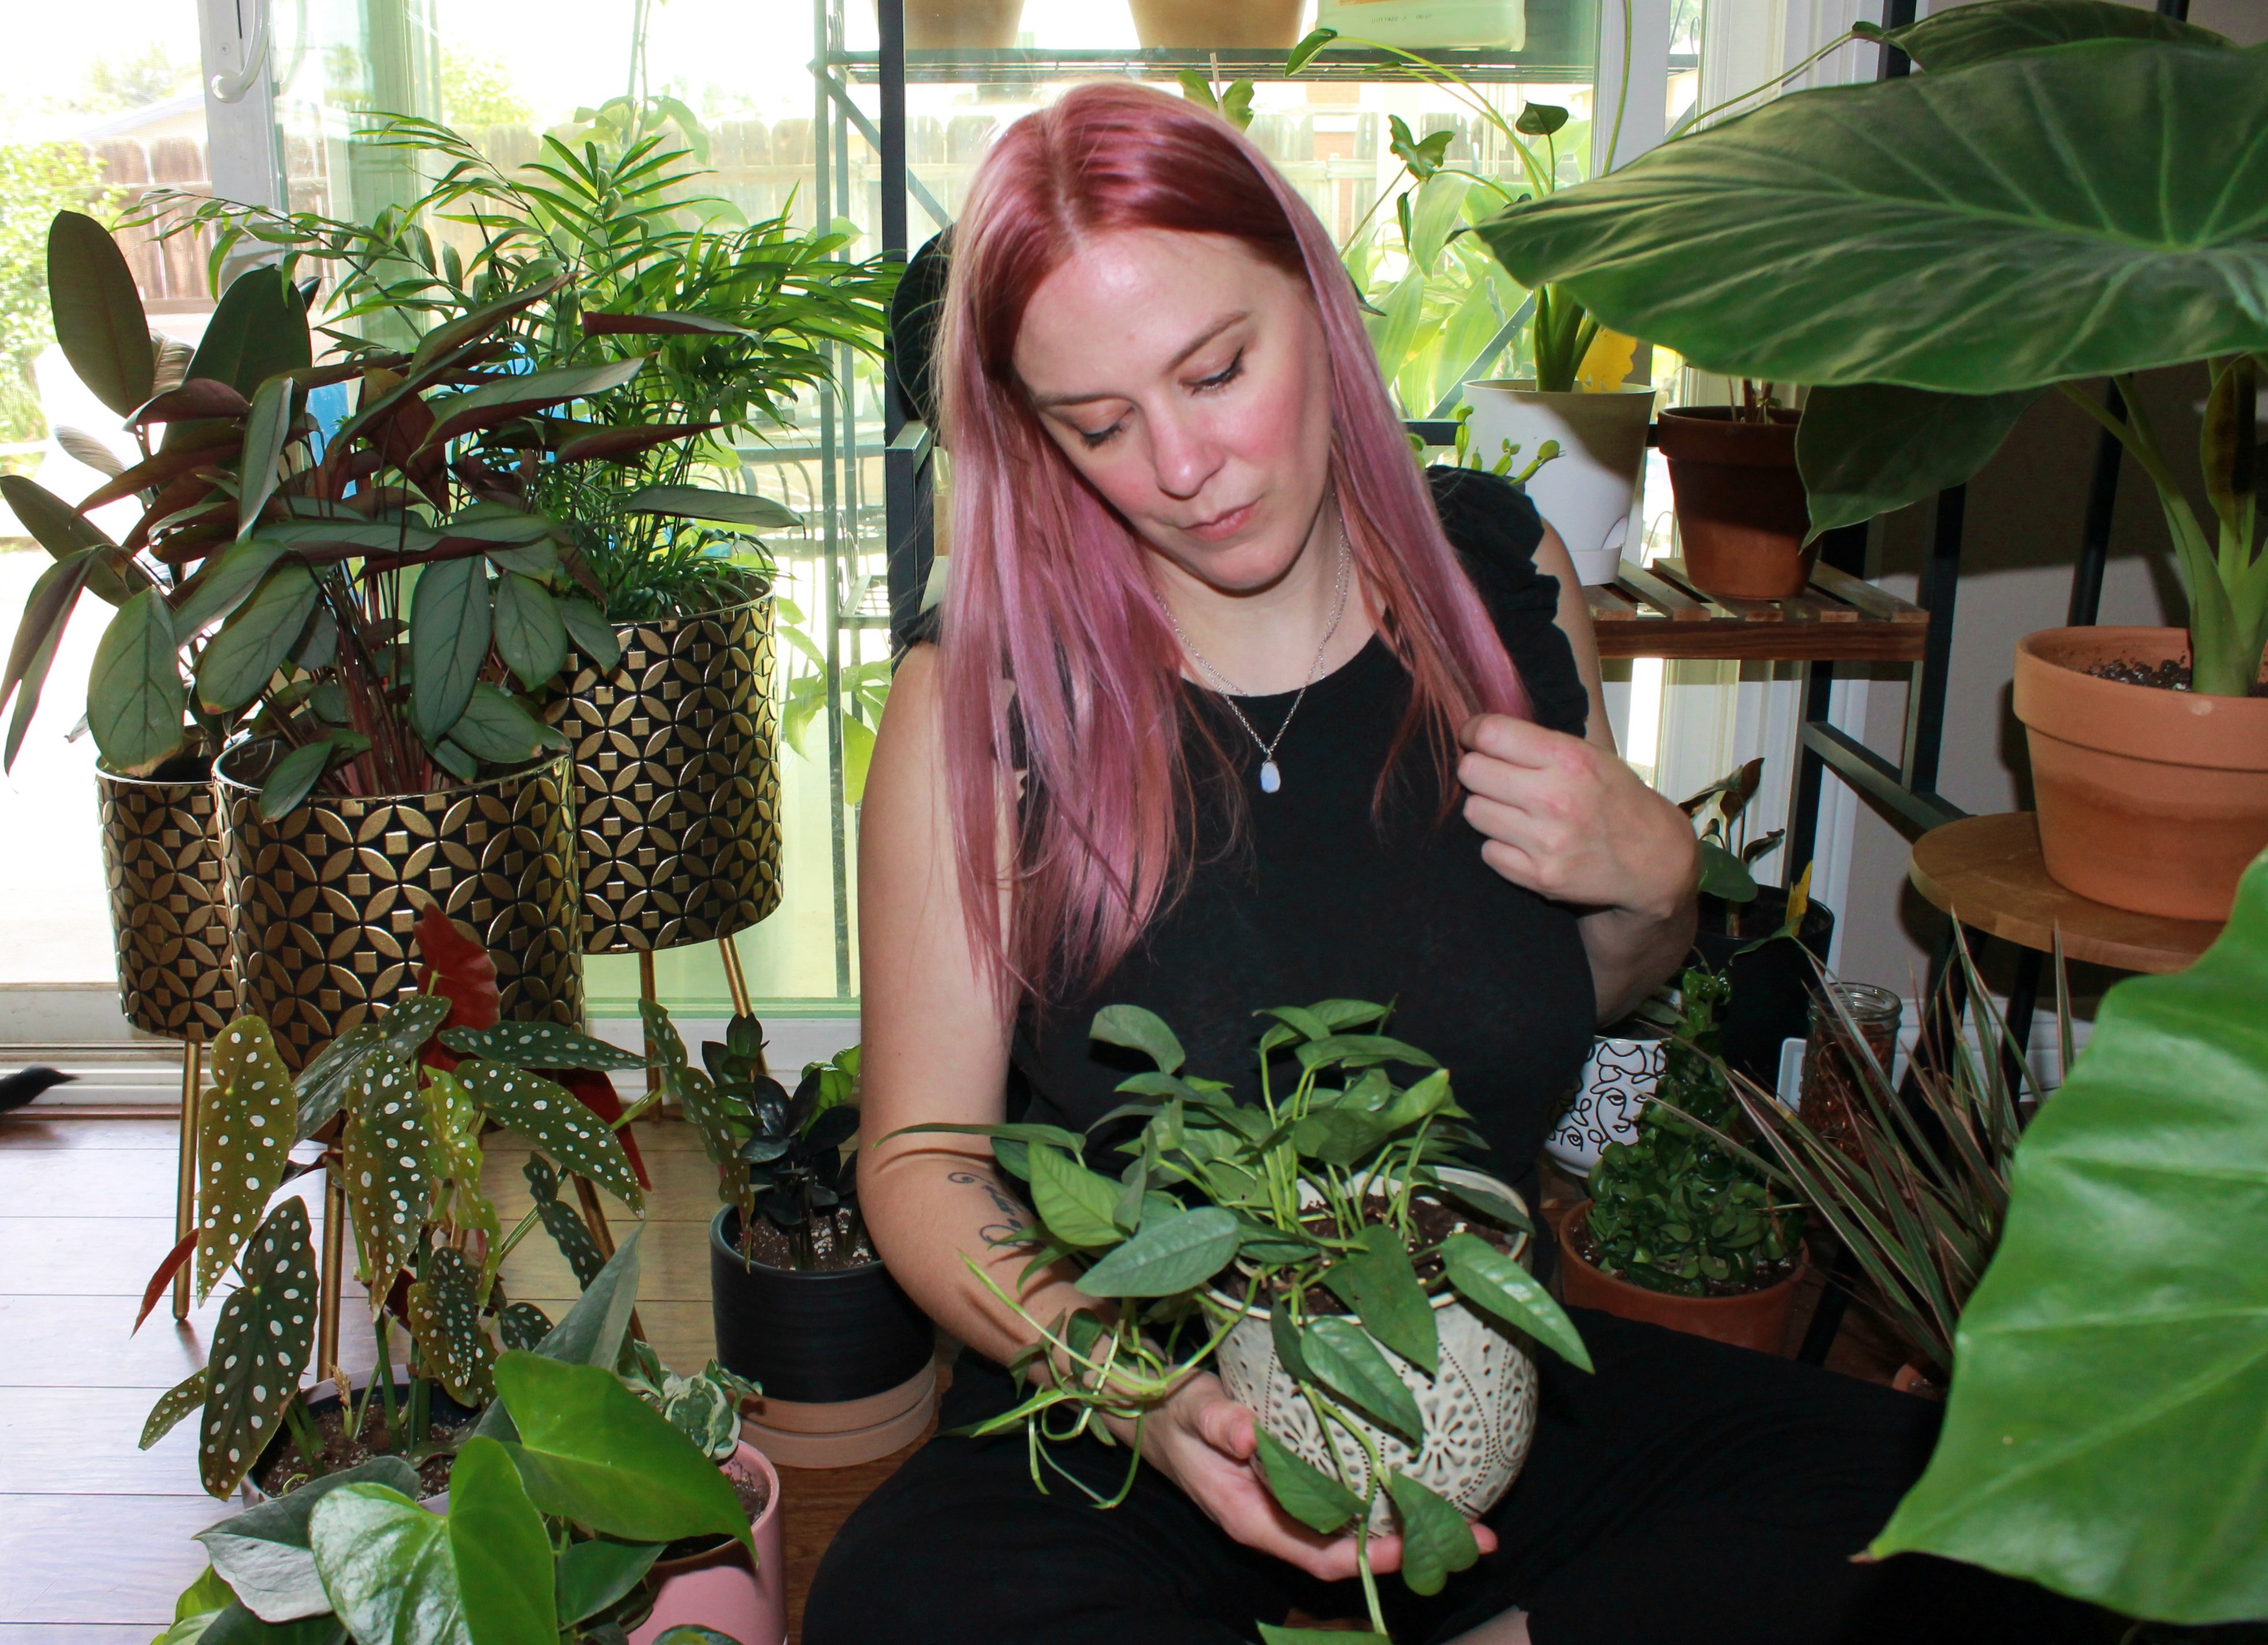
(1480, 1412)
(1618, 1082)
(1589, 493)
(1422, 23)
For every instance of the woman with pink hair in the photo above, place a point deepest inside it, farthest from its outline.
(1218, 718)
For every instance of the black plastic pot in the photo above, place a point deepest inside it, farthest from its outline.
(812, 1339)
(1772, 986)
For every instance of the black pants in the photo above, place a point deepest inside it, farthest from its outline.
(1685, 1495)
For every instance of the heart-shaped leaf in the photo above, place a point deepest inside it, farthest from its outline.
(1436, 1539)
(1170, 1255)
(1077, 1205)
(540, 1045)
(260, 1348)
(1306, 1493)
(1349, 1364)
(246, 1124)
(593, 1452)
(549, 1116)
(264, 1554)
(1382, 1288)
(596, 1573)
(1496, 1286)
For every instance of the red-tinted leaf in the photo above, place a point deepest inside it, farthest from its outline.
(399, 437)
(459, 970)
(659, 326)
(192, 543)
(157, 470)
(596, 1093)
(163, 1277)
(617, 442)
(191, 488)
(200, 396)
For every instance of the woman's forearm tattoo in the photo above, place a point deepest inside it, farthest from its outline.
(1015, 1221)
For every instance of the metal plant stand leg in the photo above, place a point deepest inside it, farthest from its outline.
(648, 996)
(185, 1182)
(331, 1283)
(736, 981)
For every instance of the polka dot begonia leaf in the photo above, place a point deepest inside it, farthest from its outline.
(387, 1177)
(566, 1228)
(540, 1045)
(246, 1126)
(555, 1120)
(445, 1318)
(523, 1325)
(260, 1349)
(174, 1404)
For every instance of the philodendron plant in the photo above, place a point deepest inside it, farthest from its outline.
(376, 593)
(2077, 194)
(558, 1507)
(1331, 1210)
(398, 1107)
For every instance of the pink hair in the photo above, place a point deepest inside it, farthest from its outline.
(1058, 660)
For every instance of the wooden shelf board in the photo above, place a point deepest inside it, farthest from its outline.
(1655, 611)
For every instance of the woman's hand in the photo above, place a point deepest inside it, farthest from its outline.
(1569, 820)
(1203, 1441)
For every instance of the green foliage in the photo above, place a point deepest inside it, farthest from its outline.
(38, 180)
(261, 1347)
(2076, 198)
(1675, 1210)
(1307, 1206)
(244, 1127)
(2102, 1435)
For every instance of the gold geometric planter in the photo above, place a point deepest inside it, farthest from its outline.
(325, 897)
(161, 859)
(677, 781)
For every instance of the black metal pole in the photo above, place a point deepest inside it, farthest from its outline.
(907, 543)
(1941, 587)
(2101, 504)
(1895, 64)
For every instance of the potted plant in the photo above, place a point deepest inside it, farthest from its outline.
(1681, 1230)
(1258, 25)
(1742, 517)
(1353, 1284)
(950, 25)
(2149, 754)
(1742, 923)
(803, 1306)
(1618, 1080)
(674, 725)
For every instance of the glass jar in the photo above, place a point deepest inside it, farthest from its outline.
(1832, 1103)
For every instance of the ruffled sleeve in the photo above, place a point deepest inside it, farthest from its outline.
(1495, 530)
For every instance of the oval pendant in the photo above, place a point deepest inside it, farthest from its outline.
(1271, 778)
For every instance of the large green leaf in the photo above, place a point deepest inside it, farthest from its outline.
(596, 1327)
(1303, 1491)
(2038, 218)
(246, 1124)
(1076, 1204)
(2103, 1436)
(226, 579)
(530, 636)
(1436, 1539)
(98, 312)
(388, 1187)
(260, 1348)
(1963, 34)
(540, 1045)
(1495, 1284)
(521, 393)
(397, 1575)
(445, 1318)
(258, 328)
(1868, 449)
(266, 428)
(243, 657)
(1347, 1362)
(264, 1555)
(134, 698)
(62, 531)
(595, 1453)
(1172, 1254)
(1138, 1029)
(1382, 1288)
(494, 726)
(46, 614)
(449, 623)
(596, 1573)
(700, 502)
(555, 1120)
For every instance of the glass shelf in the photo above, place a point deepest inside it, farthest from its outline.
(1015, 65)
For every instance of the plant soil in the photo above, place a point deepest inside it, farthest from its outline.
(755, 1492)
(1430, 1223)
(2172, 675)
(286, 1471)
(831, 1243)
(1759, 1280)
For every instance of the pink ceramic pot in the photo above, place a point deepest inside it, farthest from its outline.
(717, 1589)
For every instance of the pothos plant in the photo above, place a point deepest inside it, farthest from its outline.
(559, 1506)
(1325, 1208)
(1676, 1209)
(397, 1108)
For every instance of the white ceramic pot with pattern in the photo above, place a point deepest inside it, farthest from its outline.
(1479, 1412)
(1618, 1082)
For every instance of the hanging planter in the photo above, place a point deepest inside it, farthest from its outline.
(161, 859)
(1588, 492)
(1741, 513)
(326, 896)
(677, 785)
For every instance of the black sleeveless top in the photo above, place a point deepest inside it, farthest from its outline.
(1321, 897)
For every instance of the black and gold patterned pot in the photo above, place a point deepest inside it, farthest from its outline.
(677, 781)
(161, 859)
(325, 897)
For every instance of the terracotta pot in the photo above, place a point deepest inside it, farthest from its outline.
(944, 24)
(1757, 1320)
(1741, 508)
(2149, 800)
(717, 1589)
(1258, 25)
(1479, 1413)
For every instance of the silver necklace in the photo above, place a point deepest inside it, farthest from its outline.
(1271, 778)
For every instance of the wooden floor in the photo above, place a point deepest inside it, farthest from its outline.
(94, 1535)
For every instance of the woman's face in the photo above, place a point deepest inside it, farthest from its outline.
(1187, 382)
